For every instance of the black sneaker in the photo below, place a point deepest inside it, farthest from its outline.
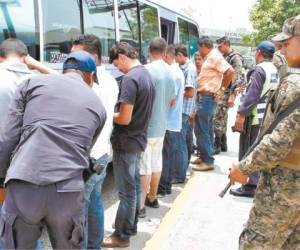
(142, 213)
(169, 191)
(153, 204)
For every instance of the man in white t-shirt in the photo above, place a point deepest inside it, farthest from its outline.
(107, 89)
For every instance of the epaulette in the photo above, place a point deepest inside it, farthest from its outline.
(289, 71)
(293, 70)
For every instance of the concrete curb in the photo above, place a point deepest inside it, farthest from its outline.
(165, 227)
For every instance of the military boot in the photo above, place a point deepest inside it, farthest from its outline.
(224, 143)
(217, 145)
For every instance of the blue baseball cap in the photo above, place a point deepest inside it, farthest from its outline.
(84, 61)
(267, 47)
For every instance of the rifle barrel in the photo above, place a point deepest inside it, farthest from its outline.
(224, 191)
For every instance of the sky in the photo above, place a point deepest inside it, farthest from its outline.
(217, 14)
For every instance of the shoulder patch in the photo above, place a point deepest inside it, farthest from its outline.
(283, 87)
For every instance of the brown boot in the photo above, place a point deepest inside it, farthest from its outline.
(203, 167)
(112, 242)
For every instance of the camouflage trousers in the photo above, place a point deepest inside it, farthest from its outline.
(274, 221)
(221, 116)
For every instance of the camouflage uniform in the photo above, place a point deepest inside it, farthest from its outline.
(221, 115)
(280, 63)
(274, 221)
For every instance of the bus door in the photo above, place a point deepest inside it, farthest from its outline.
(167, 30)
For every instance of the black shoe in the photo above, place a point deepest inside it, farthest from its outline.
(161, 192)
(178, 181)
(153, 204)
(224, 143)
(244, 191)
(142, 213)
(217, 145)
(169, 191)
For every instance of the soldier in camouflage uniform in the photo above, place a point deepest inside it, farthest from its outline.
(221, 116)
(279, 61)
(274, 221)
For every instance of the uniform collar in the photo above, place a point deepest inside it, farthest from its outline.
(15, 66)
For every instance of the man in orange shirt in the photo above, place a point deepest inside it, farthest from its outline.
(215, 76)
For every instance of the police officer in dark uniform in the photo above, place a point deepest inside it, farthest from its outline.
(45, 140)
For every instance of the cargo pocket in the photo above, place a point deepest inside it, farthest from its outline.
(6, 230)
(77, 232)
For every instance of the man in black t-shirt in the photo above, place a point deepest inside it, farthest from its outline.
(129, 139)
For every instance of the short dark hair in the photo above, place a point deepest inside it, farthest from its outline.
(171, 50)
(158, 45)
(91, 43)
(124, 49)
(205, 41)
(224, 40)
(266, 55)
(180, 48)
(13, 46)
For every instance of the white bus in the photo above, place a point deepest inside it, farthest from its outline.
(48, 26)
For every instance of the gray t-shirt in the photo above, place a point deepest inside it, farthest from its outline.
(164, 84)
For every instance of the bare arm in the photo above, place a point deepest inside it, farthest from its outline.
(227, 77)
(36, 65)
(125, 114)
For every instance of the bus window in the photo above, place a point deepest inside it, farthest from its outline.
(193, 38)
(129, 22)
(183, 32)
(17, 21)
(167, 30)
(99, 20)
(149, 26)
(61, 25)
(188, 35)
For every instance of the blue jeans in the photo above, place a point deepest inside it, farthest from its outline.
(189, 139)
(127, 179)
(170, 161)
(180, 173)
(206, 106)
(94, 211)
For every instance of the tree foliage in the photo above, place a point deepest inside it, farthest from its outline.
(267, 17)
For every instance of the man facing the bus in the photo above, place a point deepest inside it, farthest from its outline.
(129, 139)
